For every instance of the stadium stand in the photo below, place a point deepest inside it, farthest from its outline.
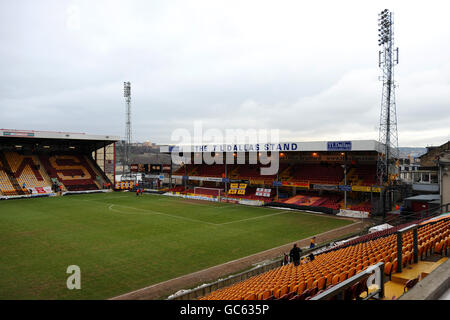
(6, 186)
(338, 264)
(329, 201)
(74, 171)
(176, 189)
(333, 202)
(316, 173)
(207, 191)
(216, 170)
(210, 189)
(35, 163)
(362, 175)
(242, 172)
(19, 174)
(364, 206)
(187, 169)
(323, 173)
(250, 194)
(253, 172)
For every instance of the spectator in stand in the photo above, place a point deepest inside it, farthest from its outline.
(295, 254)
(285, 259)
(311, 256)
(313, 242)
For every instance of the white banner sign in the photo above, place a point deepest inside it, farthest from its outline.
(353, 214)
(41, 190)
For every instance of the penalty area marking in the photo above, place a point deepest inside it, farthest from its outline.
(155, 212)
(263, 216)
(218, 205)
(189, 219)
(111, 198)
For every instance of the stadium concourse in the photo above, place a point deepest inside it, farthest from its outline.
(41, 163)
(324, 176)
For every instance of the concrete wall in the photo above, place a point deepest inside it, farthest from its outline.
(433, 286)
(444, 177)
(446, 186)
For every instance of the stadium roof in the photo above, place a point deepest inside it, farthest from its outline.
(13, 133)
(425, 197)
(87, 142)
(319, 146)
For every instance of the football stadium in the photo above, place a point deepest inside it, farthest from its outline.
(89, 216)
(63, 207)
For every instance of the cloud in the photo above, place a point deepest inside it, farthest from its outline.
(307, 69)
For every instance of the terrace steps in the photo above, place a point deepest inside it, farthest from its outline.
(96, 170)
(395, 287)
(42, 171)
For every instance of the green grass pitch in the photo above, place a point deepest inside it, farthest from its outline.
(123, 243)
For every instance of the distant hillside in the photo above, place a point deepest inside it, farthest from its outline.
(414, 152)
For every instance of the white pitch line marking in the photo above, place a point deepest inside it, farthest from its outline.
(180, 217)
(214, 204)
(157, 212)
(111, 198)
(258, 217)
(189, 219)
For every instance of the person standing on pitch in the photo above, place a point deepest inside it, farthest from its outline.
(295, 254)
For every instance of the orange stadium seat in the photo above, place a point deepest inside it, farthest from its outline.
(19, 174)
(332, 267)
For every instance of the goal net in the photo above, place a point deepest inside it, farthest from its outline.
(208, 191)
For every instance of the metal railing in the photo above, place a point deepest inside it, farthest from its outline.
(400, 233)
(374, 275)
(407, 216)
(206, 289)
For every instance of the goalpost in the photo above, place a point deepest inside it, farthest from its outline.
(217, 192)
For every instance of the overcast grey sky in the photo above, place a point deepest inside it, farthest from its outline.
(308, 68)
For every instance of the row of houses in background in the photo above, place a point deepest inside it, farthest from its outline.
(428, 175)
(140, 152)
